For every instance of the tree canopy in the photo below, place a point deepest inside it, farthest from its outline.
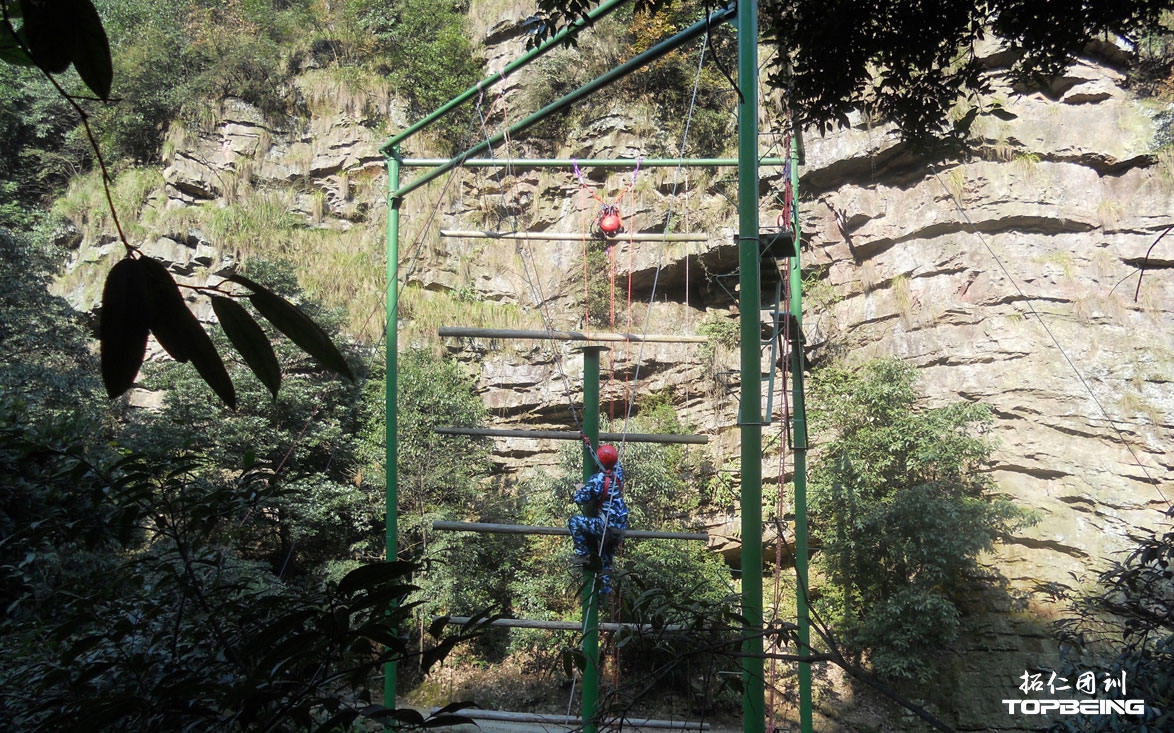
(902, 508)
(910, 62)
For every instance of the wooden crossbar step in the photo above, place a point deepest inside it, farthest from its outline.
(575, 722)
(491, 528)
(529, 623)
(665, 438)
(511, 333)
(576, 236)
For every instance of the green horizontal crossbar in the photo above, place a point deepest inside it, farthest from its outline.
(597, 163)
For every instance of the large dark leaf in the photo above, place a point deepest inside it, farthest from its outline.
(49, 33)
(91, 54)
(249, 340)
(168, 316)
(373, 575)
(296, 325)
(60, 32)
(178, 331)
(122, 326)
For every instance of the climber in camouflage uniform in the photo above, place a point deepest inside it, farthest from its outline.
(599, 527)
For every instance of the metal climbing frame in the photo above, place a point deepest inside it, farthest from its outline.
(745, 16)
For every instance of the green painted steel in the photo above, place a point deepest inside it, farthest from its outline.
(803, 621)
(660, 49)
(590, 646)
(597, 163)
(748, 163)
(750, 413)
(390, 399)
(489, 81)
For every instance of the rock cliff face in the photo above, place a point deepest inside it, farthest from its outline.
(1031, 276)
(1012, 280)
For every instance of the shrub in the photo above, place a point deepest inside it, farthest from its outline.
(902, 508)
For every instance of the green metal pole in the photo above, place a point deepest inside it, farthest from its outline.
(660, 49)
(391, 387)
(590, 592)
(800, 451)
(554, 41)
(753, 692)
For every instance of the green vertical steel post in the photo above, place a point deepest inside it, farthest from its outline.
(753, 690)
(590, 592)
(800, 450)
(391, 388)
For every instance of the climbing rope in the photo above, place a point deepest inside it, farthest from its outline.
(531, 276)
(668, 218)
(1052, 336)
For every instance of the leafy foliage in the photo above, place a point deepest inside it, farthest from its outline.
(321, 511)
(438, 472)
(902, 509)
(56, 35)
(1127, 625)
(429, 42)
(677, 588)
(448, 477)
(688, 99)
(36, 153)
(140, 296)
(48, 380)
(138, 588)
(910, 63)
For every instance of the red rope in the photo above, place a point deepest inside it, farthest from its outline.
(586, 280)
(611, 270)
(628, 342)
(783, 365)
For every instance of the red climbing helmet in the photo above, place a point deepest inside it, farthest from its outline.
(607, 455)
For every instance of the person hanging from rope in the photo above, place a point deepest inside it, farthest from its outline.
(599, 527)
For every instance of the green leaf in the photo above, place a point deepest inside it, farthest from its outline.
(167, 314)
(122, 326)
(91, 54)
(437, 626)
(10, 50)
(61, 32)
(249, 340)
(297, 326)
(454, 707)
(178, 331)
(405, 715)
(446, 721)
(964, 124)
(373, 574)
